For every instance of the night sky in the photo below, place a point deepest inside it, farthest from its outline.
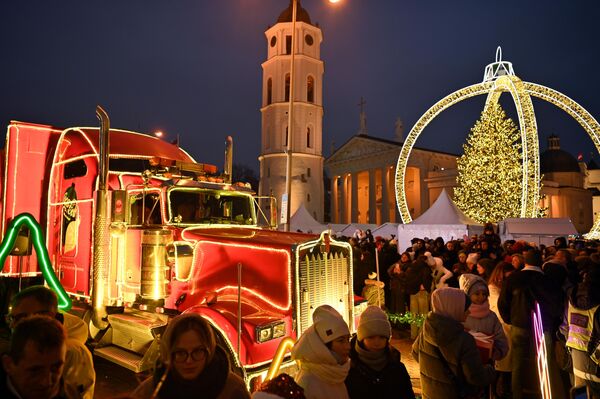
(192, 67)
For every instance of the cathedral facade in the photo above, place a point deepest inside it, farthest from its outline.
(363, 176)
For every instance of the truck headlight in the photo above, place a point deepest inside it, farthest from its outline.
(270, 331)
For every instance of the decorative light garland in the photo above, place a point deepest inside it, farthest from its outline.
(500, 77)
(64, 302)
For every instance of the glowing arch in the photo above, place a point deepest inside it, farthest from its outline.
(499, 77)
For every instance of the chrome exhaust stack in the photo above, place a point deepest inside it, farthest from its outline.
(101, 226)
(228, 169)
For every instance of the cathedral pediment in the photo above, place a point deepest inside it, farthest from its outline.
(360, 147)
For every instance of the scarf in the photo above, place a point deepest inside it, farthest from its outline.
(210, 382)
(479, 311)
(376, 360)
(330, 373)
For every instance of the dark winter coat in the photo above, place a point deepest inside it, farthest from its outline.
(418, 273)
(443, 336)
(518, 296)
(392, 382)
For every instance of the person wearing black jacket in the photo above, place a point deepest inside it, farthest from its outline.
(516, 303)
(375, 369)
(418, 281)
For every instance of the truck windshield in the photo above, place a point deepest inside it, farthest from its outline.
(210, 207)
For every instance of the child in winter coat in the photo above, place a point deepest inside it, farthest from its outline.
(373, 291)
(376, 370)
(322, 354)
(481, 318)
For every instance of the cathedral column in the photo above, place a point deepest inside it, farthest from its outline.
(385, 211)
(344, 199)
(334, 199)
(354, 201)
(372, 200)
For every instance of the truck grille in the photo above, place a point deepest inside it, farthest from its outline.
(324, 278)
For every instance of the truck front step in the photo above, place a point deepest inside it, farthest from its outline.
(132, 340)
(124, 358)
(134, 330)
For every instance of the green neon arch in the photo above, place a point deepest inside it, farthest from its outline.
(64, 302)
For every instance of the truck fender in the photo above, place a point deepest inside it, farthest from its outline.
(225, 334)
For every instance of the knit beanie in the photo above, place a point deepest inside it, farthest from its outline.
(469, 283)
(433, 261)
(329, 324)
(430, 260)
(472, 258)
(373, 322)
(533, 257)
(449, 302)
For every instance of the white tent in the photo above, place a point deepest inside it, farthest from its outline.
(539, 230)
(336, 228)
(386, 230)
(442, 219)
(303, 221)
(350, 229)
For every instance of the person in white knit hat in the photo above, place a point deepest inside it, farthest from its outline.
(322, 354)
(376, 370)
(439, 273)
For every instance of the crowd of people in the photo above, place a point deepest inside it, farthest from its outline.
(477, 339)
(478, 290)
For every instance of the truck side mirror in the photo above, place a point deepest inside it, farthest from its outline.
(23, 243)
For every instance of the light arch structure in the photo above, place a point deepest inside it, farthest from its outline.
(499, 77)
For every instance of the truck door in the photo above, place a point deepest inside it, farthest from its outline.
(73, 216)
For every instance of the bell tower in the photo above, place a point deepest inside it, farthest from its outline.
(307, 136)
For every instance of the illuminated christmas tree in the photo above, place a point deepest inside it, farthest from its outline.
(490, 170)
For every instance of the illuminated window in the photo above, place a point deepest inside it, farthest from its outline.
(310, 89)
(269, 91)
(287, 87)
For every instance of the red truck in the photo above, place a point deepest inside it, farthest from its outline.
(137, 232)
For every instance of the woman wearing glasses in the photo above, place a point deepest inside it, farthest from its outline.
(192, 364)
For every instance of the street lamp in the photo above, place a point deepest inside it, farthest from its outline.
(290, 131)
